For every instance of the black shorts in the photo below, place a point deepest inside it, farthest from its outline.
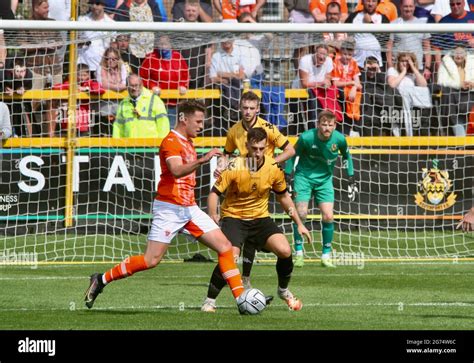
(255, 232)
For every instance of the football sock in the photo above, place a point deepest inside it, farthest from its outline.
(125, 268)
(216, 284)
(230, 272)
(248, 256)
(284, 267)
(328, 234)
(298, 239)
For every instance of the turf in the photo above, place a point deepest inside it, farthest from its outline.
(434, 296)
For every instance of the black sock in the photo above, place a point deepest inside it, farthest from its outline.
(216, 284)
(248, 256)
(284, 267)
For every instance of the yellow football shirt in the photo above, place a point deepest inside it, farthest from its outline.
(237, 138)
(248, 187)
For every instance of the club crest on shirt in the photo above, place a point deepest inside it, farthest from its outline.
(333, 147)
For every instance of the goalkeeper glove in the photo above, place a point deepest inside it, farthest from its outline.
(352, 189)
(289, 183)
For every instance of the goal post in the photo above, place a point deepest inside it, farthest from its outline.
(74, 196)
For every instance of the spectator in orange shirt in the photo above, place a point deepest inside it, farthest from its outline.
(334, 16)
(384, 7)
(345, 75)
(318, 9)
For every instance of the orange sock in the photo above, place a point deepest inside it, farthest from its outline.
(230, 272)
(126, 268)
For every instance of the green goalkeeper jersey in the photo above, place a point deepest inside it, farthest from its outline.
(317, 158)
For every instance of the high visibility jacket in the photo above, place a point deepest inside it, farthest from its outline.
(148, 118)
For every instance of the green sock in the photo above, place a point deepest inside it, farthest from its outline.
(328, 234)
(298, 240)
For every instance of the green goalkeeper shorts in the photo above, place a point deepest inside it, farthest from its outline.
(305, 188)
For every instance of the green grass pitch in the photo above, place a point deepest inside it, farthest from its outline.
(382, 295)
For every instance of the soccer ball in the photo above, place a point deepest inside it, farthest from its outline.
(251, 302)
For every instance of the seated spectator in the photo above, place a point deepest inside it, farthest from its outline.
(5, 123)
(315, 74)
(93, 43)
(17, 81)
(192, 11)
(334, 16)
(318, 9)
(83, 108)
(412, 86)
(141, 43)
(165, 68)
(299, 11)
(456, 78)
(418, 43)
(131, 62)
(227, 72)
(367, 44)
(141, 114)
(384, 7)
(345, 75)
(112, 75)
(378, 100)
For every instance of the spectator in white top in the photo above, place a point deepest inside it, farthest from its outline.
(418, 43)
(94, 42)
(250, 55)
(456, 78)
(441, 8)
(367, 45)
(5, 123)
(227, 71)
(315, 69)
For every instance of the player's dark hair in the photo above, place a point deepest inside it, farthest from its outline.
(187, 108)
(256, 134)
(326, 115)
(249, 96)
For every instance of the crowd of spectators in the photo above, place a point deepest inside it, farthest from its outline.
(404, 84)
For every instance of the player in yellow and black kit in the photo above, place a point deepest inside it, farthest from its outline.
(236, 141)
(247, 182)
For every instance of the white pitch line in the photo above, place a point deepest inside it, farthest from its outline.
(197, 307)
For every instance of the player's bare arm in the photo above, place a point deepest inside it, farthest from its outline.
(179, 169)
(288, 152)
(287, 203)
(212, 203)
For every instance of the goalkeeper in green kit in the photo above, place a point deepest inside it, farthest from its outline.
(318, 151)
